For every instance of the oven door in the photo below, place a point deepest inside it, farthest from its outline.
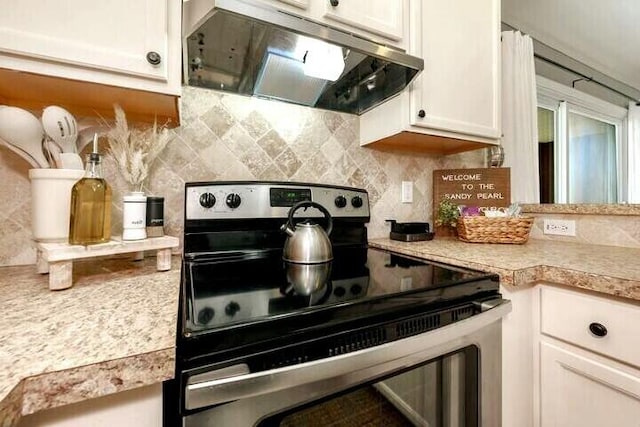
(450, 376)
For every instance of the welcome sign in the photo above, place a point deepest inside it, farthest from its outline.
(485, 187)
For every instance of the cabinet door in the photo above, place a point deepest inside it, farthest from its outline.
(302, 4)
(459, 89)
(577, 390)
(114, 35)
(383, 17)
(299, 7)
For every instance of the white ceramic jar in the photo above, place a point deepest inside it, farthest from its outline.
(134, 216)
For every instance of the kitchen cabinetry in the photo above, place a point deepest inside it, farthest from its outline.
(141, 407)
(381, 17)
(132, 45)
(517, 357)
(589, 364)
(379, 20)
(454, 105)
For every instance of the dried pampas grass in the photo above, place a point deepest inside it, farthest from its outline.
(135, 150)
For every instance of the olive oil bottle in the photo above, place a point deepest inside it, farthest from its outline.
(90, 221)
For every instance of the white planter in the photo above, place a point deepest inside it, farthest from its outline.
(134, 215)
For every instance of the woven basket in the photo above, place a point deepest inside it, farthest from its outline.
(481, 229)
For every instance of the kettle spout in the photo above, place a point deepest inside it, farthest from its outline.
(286, 229)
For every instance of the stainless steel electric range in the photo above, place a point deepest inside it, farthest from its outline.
(385, 340)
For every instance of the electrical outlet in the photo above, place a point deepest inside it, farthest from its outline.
(560, 227)
(407, 191)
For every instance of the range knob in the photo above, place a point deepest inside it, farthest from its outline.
(355, 289)
(340, 201)
(233, 200)
(232, 308)
(206, 315)
(207, 200)
(356, 201)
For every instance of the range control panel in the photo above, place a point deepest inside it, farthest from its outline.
(249, 199)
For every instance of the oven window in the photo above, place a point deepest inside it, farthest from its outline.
(441, 393)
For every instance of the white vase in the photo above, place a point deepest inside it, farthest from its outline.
(134, 216)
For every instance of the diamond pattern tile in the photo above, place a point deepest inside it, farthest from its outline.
(272, 143)
(231, 137)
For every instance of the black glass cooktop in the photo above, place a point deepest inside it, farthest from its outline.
(236, 289)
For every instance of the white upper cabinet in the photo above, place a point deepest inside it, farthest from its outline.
(302, 4)
(87, 56)
(134, 44)
(381, 17)
(382, 21)
(459, 90)
(454, 104)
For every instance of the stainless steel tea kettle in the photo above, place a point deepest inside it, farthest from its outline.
(307, 251)
(307, 242)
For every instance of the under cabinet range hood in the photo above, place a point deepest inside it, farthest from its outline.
(239, 47)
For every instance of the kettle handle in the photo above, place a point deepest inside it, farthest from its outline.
(307, 204)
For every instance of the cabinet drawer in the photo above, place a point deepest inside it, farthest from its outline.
(574, 317)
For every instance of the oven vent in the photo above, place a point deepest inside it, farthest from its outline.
(331, 346)
(358, 341)
(355, 340)
(287, 358)
(462, 313)
(417, 325)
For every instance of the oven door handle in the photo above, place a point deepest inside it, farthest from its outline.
(203, 391)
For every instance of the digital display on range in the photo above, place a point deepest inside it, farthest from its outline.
(287, 197)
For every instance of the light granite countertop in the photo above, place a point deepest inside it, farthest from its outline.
(114, 330)
(609, 270)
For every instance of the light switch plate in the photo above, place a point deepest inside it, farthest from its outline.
(407, 192)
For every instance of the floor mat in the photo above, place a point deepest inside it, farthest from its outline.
(363, 407)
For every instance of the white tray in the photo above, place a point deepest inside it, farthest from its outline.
(56, 259)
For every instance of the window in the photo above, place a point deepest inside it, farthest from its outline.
(582, 147)
(591, 160)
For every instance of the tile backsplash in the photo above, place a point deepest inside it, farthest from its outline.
(231, 137)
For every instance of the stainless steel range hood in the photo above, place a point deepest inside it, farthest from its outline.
(249, 49)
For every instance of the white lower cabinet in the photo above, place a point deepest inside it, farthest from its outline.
(588, 360)
(580, 389)
(141, 407)
(517, 358)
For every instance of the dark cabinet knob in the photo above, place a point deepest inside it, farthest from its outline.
(334, 3)
(422, 114)
(598, 329)
(154, 58)
(356, 202)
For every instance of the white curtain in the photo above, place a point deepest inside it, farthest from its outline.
(519, 116)
(634, 153)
